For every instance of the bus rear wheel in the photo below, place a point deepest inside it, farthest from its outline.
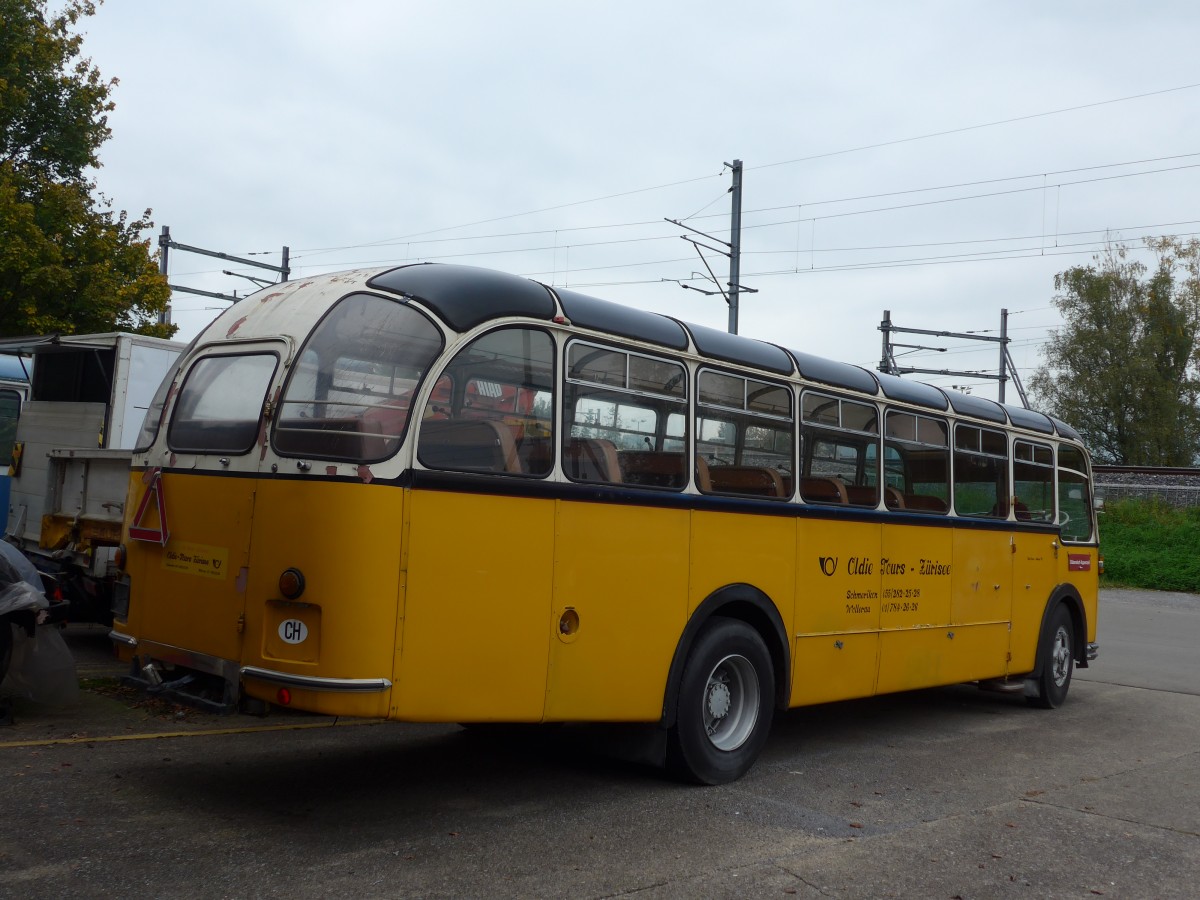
(1057, 661)
(725, 704)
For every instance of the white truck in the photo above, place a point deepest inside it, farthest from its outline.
(70, 463)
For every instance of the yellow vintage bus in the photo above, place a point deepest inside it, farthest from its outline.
(437, 493)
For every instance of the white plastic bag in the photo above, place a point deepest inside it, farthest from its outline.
(42, 668)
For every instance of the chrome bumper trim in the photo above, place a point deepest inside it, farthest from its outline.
(314, 683)
(1093, 650)
(117, 638)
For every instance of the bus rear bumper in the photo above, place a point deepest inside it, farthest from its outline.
(315, 683)
(215, 684)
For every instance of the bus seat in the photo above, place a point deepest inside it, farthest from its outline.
(468, 444)
(759, 481)
(592, 459)
(379, 428)
(651, 469)
(536, 455)
(862, 495)
(893, 498)
(924, 503)
(823, 490)
(703, 475)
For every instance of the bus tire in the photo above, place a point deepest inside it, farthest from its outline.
(726, 702)
(1057, 659)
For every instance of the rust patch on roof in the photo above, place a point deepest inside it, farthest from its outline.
(235, 326)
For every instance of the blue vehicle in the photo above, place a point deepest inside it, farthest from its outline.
(14, 390)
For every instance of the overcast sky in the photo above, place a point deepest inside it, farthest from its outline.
(942, 160)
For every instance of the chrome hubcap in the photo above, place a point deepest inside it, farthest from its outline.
(730, 703)
(1060, 656)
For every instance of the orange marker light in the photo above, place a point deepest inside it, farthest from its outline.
(291, 583)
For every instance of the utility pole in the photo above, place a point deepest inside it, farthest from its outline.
(164, 317)
(165, 244)
(1004, 353)
(735, 245)
(733, 252)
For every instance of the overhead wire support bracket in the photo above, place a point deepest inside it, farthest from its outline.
(166, 244)
(703, 234)
(1007, 369)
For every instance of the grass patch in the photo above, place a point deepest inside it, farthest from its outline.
(1147, 544)
(133, 698)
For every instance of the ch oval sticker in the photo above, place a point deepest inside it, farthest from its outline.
(293, 631)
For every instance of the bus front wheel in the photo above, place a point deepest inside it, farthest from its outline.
(1057, 661)
(725, 704)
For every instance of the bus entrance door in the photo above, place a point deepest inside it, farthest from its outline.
(981, 609)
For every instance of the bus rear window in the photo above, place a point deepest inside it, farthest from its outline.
(220, 403)
(350, 394)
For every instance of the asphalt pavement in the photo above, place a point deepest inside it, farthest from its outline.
(945, 793)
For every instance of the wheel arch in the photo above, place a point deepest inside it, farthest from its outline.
(747, 604)
(1068, 596)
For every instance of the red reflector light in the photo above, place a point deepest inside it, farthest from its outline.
(283, 697)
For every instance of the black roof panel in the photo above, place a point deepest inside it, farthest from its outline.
(917, 392)
(737, 349)
(613, 318)
(464, 296)
(1066, 430)
(1027, 418)
(838, 374)
(979, 407)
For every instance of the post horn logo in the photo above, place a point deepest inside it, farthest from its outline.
(829, 565)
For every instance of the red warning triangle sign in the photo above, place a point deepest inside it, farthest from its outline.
(141, 532)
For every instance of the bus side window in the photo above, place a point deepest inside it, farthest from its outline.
(1033, 482)
(491, 410)
(980, 472)
(841, 450)
(1074, 496)
(917, 460)
(349, 393)
(626, 418)
(745, 434)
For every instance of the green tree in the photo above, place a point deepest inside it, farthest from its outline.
(1124, 369)
(68, 262)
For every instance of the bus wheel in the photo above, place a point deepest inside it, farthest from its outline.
(726, 701)
(1058, 661)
